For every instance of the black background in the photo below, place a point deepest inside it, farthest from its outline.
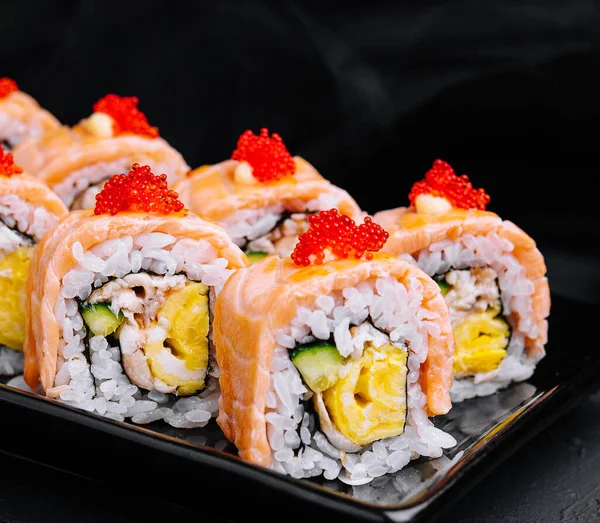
(371, 93)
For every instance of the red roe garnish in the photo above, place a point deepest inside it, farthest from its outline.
(267, 155)
(127, 117)
(341, 235)
(7, 165)
(7, 86)
(140, 190)
(441, 181)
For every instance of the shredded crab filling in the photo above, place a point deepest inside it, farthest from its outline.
(275, 229)
(490, 301)
(281, 238)
(368, 417)
(471, 291)
(151, 357)
(161, 325)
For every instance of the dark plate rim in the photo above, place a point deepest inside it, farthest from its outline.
(506, 436)
(548, 405)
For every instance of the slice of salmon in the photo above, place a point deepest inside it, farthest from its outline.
(22, 117)
(257, 302)
(411, 231)
(213, 192)
(54, 258)
(57, 154)
(31, 190)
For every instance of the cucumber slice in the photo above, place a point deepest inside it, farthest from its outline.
(253, 257)
(319, 364)
(100, 319)
(444, 287)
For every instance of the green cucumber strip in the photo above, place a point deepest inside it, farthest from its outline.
(253, 257)
(100, 320)
(319, 364)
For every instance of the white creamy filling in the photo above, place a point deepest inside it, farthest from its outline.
(121, 293)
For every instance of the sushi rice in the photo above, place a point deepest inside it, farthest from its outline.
(386, 311)
(93, 378)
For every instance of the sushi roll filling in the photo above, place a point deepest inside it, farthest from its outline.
(79, 189)
(162, 326)
(86, 199)
(354, 410)
(482, 334)
(490, 298)
(361, 398)
(281, 238)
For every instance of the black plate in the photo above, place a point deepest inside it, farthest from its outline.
(194, 467)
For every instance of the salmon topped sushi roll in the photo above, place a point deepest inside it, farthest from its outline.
(490, 271)
(76, 162)
(120, 306)
(28, 210)
(332, 360)
(21, 116)
(263, 195)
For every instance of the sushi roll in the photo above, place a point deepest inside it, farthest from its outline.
(333, 359)
(120, 306)
(263, 195)
(76, 162)
(28, 209)
(21, 116)
(491, 273)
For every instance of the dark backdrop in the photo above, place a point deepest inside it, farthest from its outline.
(371, 93)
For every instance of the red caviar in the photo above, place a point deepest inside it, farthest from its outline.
(267, 155)
(140, 190)
(7, 165)
(7, 86)
(127, 117)
(339, 233)
(440, 180)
